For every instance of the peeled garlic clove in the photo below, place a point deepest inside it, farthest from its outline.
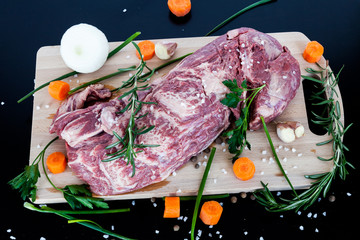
(285, 132)
(299, 131)
(164, 49)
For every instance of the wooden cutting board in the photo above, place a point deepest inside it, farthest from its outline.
(300, 156)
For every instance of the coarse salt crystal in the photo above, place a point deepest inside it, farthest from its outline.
(316, 230)
(315, 215)
(278, 193)
(157, 231)
(38, 146)
(215, 180)
(293, 150)
(133, 202)
(261, 173)
(174, 173)
(258, 62)
(262, 42)
(199, 233)
(185, 219)
(217, 232)
(243, 45)
(211, 226)
(9, 230)
(299, 154)
(204, 163)
(112, 227)
(42, 238)
(205, 156)
(124, 10)
(37, 107)
(224, 171)
(12, 237)
(309, 215)
(47, 106)
(286, 149)
(154, 204)
(295, 166)
(105, 236)
(245, 233)
(348, 194)
(2, 103)
(284, 77)
(224, 150)
(264, 152)
(301, 227)
(178, 191)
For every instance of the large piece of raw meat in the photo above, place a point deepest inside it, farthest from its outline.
(188, 115)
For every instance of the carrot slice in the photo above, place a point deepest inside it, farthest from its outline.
(313, 52)
(244, 168)
(147, 49)
(56, 162)
(210, 212)
(59, 89)
(179, 7)
(172, 207)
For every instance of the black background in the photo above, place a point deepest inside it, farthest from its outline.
(28, 25)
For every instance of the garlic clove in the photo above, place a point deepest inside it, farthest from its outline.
(164, 49)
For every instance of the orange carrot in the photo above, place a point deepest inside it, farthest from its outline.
(172, 207)
(179, 7)
(147, 49)
(210, 212)
(313, 52)
(59, 89)
(56, 162)
(244, 168)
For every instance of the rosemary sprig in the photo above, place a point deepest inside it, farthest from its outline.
(335, 128)
(87, 223)
(129, 148)
(112, 53)
(237, 136)
(200, 192)
(26, 181)
(237, 14)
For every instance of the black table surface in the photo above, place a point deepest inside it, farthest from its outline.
(28, 25)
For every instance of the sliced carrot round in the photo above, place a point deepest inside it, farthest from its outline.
(59, 89)
(56, 162)
(172, 207)
(313, 52)
(179, 7)
(244, 168)
(147, 49)
(210, 212)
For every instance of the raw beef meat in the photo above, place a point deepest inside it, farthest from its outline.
(188, 115)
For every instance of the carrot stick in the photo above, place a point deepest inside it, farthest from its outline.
(56, 162)
(172, 207)
(210, 212)
(59, 89)
(179, 7)
(244, 168)
(147, 49)
(313, 52)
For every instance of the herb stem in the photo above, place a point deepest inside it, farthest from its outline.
(85, 223)
(120, 70)
(276, 157)
(200, 192)
(237, 14)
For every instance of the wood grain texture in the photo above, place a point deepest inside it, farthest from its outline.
(221, 179)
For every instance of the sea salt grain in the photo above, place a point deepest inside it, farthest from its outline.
(2, 103)
(106, 236)
(37, 107)
(293, 150)
(9, 230)
(12, 237)
(42, 238)
(157, 231)
(124, 10)
(348, 194)
(264, 152)
(301, 228)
